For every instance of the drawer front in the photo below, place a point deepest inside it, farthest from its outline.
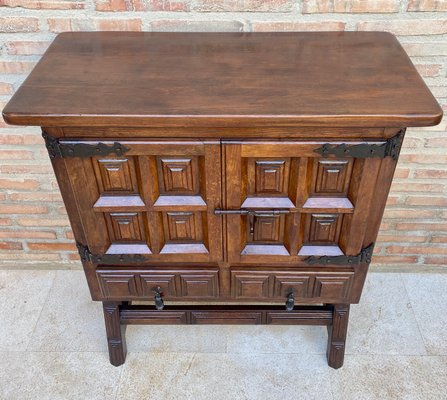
(142, 284)
(336, 286)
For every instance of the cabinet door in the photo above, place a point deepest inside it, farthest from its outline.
(155, 201)
(304, 204)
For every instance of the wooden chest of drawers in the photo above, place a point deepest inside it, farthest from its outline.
(225, 168)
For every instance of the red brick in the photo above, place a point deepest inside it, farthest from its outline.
(401, 173)
(37, 196)
(426, 201)
(52, 246)
(429, 70)
(18, 24)
(5, 221)
(409, 214)
(28, 234)
(6, 88)
(69, 235)
(26, 169)
(439, 239)
(62, 210)
(11, 246)
(392, 200)
(437, 142)
(16, 67)
(406, 27)
(118, 24)
(176, 25)
(427, 5)
(19, 184)
(400, 238)
(417, 187)
(442, 260)
(26, 47)
(43, 222)
(44, 4)
(76, 24)
(426, 226)
(430, 174)
(349, 6)
(394, 259)
(423, 158)
(74, 257)
(298, 26)
(141, 5)
(23, 256)
(415, 250)
(243, 6)
(22, 209)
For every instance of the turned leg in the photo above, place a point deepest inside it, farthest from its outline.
(115, 333)
(337, 335)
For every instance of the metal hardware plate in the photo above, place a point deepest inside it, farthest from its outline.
(57, 149)
(86, 255)
(390, 148)
(363, 257)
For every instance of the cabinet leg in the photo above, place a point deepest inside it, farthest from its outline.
(115, 333)
(337, 335)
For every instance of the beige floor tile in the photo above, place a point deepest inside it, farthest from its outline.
(176, 338)
(277, 339)
(383, 322)
(372, 377)
(57, 376)
(225, 376)
(70, 320)
(22, 296)
(428, 297)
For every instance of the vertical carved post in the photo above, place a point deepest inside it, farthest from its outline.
(337, 335)
(115, 333)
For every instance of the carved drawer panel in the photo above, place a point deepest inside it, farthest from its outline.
(255, 284)
(333, 286)
(121, 284)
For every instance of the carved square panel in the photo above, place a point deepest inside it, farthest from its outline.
(117, 285)
(271, 177)
(178, 175)
(285, 284)
(126, 227)
(199, 284)
(250, 285)
(266, 229)
(323, 228)
(332, 176)
(182, 226)
(332, 286)
(164, 281)
(115, 175)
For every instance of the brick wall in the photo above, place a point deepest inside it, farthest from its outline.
(33, 225)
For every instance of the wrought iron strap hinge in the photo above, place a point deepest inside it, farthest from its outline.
(60, 149)
(390, 148)
(87, 256)
(363, 257)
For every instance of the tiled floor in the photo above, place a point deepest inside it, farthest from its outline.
(52, 346)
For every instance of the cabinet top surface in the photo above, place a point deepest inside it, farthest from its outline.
(224, 79)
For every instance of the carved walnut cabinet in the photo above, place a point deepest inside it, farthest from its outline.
(220, 167)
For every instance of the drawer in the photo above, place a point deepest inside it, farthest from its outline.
(324, 287)
(119, 284)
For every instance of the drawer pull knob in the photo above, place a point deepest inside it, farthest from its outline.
(290, 303)
(159, 303)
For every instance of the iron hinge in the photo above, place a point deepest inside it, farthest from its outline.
(390, 148)
(87, 256)
(60, 149)
(363, 257)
